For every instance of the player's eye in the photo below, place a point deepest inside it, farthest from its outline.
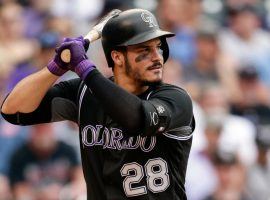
(159, 48)
(144, 50)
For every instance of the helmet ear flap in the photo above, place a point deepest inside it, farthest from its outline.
(165, 48)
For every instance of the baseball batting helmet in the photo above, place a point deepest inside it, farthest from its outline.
(131, 27)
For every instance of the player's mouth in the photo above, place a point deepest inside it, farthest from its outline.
(155, 67)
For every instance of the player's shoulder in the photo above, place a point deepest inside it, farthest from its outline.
(169, 90)
(166, 86)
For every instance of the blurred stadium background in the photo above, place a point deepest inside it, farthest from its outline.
(220, 55)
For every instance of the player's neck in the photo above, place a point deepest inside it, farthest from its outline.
(129, 84)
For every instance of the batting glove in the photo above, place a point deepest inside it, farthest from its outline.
(58, 67)
(79, 61)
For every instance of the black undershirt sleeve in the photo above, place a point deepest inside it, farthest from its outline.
(122, 106)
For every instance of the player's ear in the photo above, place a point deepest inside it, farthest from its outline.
(118, 57)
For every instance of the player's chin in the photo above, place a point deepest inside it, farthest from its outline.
(153, 80)
(154, 75)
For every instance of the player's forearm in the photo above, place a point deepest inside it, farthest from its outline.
(123, 107)
(28, 93)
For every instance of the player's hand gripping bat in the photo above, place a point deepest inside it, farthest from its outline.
(93, 35)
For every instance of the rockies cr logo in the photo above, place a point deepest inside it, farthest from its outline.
(148, 19)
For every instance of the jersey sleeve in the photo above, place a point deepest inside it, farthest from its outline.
(58, 104)
(168, 109)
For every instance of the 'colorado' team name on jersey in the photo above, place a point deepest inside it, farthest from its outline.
(112, 138)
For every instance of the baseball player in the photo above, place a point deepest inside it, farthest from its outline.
(135, 131)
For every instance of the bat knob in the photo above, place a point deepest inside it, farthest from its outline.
(65, 55)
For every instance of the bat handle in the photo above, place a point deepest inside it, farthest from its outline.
(92, 36)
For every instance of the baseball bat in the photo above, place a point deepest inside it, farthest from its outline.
(93, 35)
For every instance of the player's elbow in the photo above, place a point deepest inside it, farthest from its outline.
(12, 105)
(11, 118)
(8, 112)
(133, 127)
(8, 108)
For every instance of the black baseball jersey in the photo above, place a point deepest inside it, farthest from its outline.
(120, 164)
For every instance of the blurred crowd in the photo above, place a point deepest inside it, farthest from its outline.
(220, 55)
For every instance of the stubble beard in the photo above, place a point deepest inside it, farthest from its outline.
(137, 77)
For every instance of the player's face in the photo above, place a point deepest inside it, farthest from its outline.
(144, 62)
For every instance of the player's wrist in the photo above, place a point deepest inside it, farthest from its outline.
(84, 68)
(54, 68)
